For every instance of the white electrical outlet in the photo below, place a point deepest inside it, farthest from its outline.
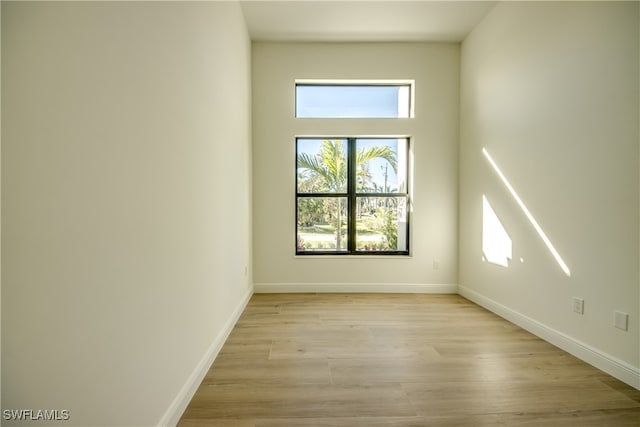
(578, 305)
(621, 320)
(436, 264)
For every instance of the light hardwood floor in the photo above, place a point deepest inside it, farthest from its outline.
(373, 360)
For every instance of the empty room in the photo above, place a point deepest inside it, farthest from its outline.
(320, 213)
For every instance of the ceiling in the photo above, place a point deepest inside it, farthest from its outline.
(360, 21)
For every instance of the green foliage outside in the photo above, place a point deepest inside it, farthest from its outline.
(319, 219)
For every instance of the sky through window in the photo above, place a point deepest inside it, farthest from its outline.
(352, 101)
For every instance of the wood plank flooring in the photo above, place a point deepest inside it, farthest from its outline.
(379, 360)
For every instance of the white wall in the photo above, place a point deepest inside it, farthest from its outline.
(126, 202)
(0, 212)
(551, 91)
(434, 67)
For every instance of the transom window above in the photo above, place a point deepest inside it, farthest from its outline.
(352, 196)
(354, 99)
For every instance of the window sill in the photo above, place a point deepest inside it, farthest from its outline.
(362, 256)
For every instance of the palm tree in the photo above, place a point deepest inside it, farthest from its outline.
(364, 155)
(326, 171)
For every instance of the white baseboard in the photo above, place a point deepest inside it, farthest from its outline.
(180, 403)
(401, 288)
(601, 360)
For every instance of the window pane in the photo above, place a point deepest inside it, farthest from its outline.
(381, 165)
(319, 219)
(322, 165)
(381, 224)
(352, 101)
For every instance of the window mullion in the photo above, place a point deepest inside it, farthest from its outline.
(351, 190)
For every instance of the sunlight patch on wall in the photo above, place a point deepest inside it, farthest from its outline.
(530, 217)
(496, 243)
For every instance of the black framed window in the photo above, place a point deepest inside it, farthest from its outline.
(352, 195)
